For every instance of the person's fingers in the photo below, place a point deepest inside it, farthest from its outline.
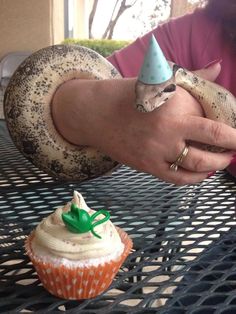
(210, 73)
(209, 132)
(181, 176)
(198, 160)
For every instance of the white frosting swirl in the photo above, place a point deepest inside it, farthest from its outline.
(53, 237)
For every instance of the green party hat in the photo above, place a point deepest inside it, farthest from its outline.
(155, 68)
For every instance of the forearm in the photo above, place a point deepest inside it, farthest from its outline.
(101, 114)
(83, 110)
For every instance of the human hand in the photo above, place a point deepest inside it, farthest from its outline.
(178, 123)
(101, 114)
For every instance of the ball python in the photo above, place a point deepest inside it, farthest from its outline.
(28, 113)
(218, 103)
(28, 116)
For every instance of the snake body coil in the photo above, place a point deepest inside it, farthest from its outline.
(28, 112)
(217, 102)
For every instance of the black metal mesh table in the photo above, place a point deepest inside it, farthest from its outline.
(184, 240)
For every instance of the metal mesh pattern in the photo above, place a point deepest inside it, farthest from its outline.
(184, 241)
(15, 170)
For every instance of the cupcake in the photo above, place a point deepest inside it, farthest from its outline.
(77, 251)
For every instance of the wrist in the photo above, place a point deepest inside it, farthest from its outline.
(66, 110)
(85, 110)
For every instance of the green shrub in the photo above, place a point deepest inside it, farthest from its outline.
(104, 47)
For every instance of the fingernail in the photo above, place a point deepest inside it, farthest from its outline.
(212, 63)
(210, 174)
(233, 160)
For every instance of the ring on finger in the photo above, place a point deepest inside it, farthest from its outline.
(175, 165)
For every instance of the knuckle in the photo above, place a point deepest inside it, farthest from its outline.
(199, 164)
(181, 122)
(217, 133)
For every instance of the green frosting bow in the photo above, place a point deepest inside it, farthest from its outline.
(78, 220)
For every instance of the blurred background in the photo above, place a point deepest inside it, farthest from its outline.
(102, 25)
(28, 25)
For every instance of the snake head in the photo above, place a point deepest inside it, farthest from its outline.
(77, 220)
(150, 97)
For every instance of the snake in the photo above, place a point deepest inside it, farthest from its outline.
(27, 107)
(27, 110)
(217, 102)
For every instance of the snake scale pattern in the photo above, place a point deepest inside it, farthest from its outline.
(28, 113)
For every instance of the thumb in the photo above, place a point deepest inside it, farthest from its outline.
(210, 73)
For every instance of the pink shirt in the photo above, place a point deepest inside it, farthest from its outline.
(192, 41)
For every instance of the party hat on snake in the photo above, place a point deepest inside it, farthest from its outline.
(155, 68)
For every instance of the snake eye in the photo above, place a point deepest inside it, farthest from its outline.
(170, 88)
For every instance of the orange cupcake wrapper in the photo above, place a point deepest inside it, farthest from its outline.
(78, 283)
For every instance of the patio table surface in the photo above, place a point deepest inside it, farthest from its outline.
(184, 258)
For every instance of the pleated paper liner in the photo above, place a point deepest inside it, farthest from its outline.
(78, 283)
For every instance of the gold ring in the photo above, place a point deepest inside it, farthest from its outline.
(180, 159)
